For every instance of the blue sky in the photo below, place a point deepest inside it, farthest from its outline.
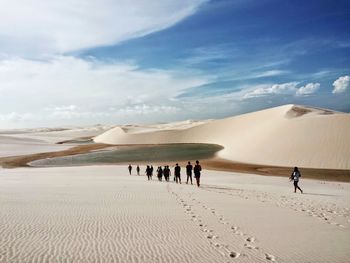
(170, 60)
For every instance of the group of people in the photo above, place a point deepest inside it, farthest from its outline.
(137, 169)
(165, 171)
(197, 174)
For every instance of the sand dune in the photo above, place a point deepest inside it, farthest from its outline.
(40, 140)
(16, 145)
(181, 125)
(55, 135)
(101, 214)
(289, 135)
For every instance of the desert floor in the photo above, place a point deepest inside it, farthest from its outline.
(102, 214)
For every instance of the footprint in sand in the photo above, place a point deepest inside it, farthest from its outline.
(234, 254)
(249, 246)
(270, 257)
(250, 239)
(234, 228)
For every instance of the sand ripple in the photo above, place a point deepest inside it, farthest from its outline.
(69, 218)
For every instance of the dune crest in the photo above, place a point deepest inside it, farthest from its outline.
(298, 111)
(288, 135)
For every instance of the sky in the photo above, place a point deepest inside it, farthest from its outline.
(86, 62)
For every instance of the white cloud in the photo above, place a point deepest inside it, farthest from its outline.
(289, 88)
(341, 84)
(270, 73)
(37, 27)
(73, 88)
(264, 90)
(308, 89)
(145, 109)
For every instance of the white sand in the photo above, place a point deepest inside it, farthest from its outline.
(16, 145)
(277, 136)
(29, 141)
(101, 214)
(54, 135)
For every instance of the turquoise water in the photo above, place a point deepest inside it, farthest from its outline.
(152, 153)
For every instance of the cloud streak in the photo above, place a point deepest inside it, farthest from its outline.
(35, 27)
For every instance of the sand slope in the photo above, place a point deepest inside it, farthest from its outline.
(101, 214)
(54, 135)
(29, 141)
(289, 135)
(13, 146)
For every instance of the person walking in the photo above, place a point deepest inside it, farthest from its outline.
(295, 178)
(160, 173)
(189, 172)
(149, 173)
(166, 173)
(177, 173)
(130, 168)
(169, 172)
(138, 170)
(197, 172)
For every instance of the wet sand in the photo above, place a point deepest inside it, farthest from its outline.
(214, 163)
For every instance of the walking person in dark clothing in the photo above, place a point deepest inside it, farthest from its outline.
(189, 172)
(138, 170)
(160, 173)
(130, 168)
(295, 178)
(166, 172)
(149, 173)
(177, 173)
(197, 172)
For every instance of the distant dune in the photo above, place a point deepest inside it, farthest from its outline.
(288, 135)
(40, 140)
